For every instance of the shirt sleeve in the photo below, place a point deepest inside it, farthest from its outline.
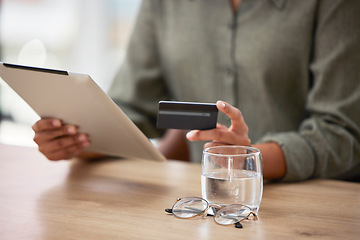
(327, 144)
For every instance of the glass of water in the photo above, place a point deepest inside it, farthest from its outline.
(232, 175)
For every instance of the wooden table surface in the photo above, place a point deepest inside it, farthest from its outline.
(125, 199)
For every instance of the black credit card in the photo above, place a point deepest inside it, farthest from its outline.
(187, 115)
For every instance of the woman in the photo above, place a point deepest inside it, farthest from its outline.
(290, 66)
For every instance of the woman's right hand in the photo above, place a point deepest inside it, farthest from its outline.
(57, 140)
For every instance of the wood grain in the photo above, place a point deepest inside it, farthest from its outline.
(125, 199)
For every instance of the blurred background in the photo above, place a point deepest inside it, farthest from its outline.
(84, 36)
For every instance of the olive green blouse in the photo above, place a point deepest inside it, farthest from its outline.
(291, 67)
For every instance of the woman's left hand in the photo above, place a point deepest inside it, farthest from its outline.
(236, 134)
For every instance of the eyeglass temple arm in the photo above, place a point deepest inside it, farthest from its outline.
(191, 210)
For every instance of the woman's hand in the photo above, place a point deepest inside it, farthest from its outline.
(273, 159)
(236, 134)
(59, 141)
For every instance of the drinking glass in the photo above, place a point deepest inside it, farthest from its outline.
(232, 175)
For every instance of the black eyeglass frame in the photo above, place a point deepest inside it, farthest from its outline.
(216, 209)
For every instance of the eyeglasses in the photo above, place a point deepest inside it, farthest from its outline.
(190, 207)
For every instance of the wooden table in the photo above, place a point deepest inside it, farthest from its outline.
(125, 199)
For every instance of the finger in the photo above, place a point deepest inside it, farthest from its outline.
(66, 153)
(64, 142)
(204, 135)
(217, 134)
(191, 135)
(237, 120)
(44, 136)
(65, 147)
(46, 124)
(219, 125)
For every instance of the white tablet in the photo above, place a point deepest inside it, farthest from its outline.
(77, 99)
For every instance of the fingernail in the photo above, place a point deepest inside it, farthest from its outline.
(71, 130)
(222, 104)
(56, 123)
(82, 138)
(190, 135)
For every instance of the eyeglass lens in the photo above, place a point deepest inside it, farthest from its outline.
(189, 207)
(231, 214)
